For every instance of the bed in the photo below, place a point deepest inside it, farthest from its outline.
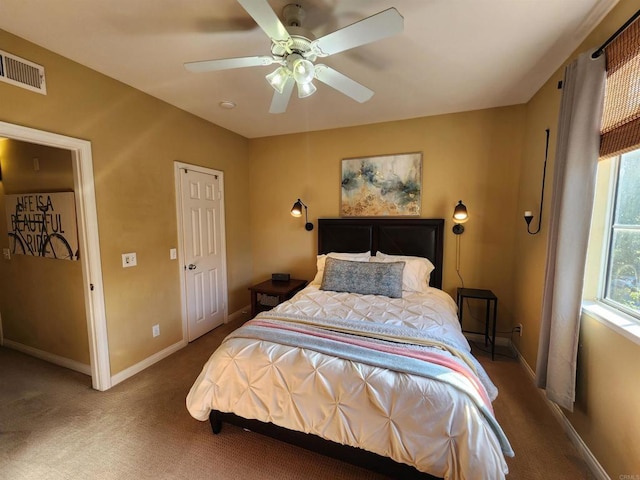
(367, 364)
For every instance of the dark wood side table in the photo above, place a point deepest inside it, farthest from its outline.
(268, 294)
(488, 296)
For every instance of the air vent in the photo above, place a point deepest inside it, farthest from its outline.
(22, 73)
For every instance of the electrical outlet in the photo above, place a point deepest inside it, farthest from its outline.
(518, 327)
(173, 254)
(129, 260)
(6, 253)
(155, 330)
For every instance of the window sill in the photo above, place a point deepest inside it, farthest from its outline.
(619, 322)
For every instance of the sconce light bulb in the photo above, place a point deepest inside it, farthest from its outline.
(296, 210)
(528, 216)
(460, 214)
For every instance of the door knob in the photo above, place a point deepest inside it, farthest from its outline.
(192, 266)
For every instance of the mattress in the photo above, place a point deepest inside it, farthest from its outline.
(393, 376)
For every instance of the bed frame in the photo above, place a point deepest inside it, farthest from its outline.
(415, 237)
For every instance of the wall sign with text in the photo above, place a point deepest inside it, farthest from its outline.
(42, 225)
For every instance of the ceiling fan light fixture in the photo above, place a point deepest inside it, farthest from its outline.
(278, 78)
(303, 70)
(306, 89)
(296, 49)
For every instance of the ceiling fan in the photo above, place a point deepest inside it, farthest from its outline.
(295, 50)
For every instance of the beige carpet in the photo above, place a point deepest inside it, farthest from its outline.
(54, 426)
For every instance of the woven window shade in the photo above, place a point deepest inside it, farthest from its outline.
(621, 116)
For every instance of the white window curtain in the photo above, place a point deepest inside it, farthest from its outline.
(575, 168)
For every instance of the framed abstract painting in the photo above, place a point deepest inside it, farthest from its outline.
(382, 186)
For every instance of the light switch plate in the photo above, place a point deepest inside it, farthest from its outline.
(173, 254)
(129, 260)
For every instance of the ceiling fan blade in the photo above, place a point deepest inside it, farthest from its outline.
(227, 63)
(266, 19)
(342, 83)
(280, 101)
(376, 27)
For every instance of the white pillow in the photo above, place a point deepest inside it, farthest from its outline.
(417, 270)
(354, 257)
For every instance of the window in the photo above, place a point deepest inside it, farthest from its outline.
(621, 284)
(615, 225)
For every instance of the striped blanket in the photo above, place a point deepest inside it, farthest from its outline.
(386, 346)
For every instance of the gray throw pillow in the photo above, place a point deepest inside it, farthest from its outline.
(366, 278)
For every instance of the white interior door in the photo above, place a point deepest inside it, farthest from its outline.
(203, 249)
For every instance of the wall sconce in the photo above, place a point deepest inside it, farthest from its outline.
(460, 215)
(528, 215)
(296, 211)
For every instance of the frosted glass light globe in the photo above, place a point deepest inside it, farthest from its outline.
(302, 69)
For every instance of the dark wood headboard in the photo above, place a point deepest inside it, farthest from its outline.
(419, 237)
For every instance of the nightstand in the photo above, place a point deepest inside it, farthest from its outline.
(268, 294)
(489, 297)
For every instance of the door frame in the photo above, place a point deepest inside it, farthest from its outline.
(181, 251)
(88, 239)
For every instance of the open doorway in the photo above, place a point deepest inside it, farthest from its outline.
(88, 242)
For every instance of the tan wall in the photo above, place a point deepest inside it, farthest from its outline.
(472, 156)
(491, 159)
(135, 140)
(606, 413)
(41, 299)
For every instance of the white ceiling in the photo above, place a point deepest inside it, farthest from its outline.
(454, 55)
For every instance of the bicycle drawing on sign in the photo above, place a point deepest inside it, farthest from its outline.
(42, 225)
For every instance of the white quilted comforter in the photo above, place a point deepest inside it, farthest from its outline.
(420, 421)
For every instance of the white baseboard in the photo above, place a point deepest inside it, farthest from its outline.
(591, 461)
(124, 374)
(147, 362)
(48, 357)
(583, 449)
(243, 312)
